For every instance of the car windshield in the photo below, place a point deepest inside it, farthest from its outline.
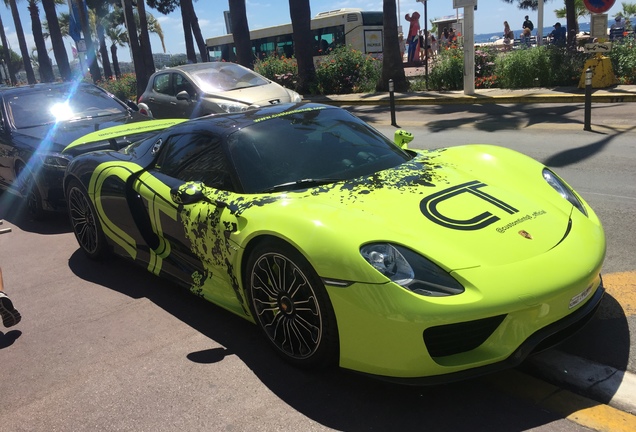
(51, 105)
(220, 77)
(309, 147)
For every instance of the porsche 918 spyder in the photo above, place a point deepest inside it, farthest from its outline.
(348, 248)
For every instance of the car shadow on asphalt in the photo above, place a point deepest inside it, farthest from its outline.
(13, 209)
(335, 398)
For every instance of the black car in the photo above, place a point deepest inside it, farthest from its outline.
(37, 122)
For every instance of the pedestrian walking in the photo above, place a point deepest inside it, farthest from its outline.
(10, 316)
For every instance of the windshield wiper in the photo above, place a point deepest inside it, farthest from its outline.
(301, 184)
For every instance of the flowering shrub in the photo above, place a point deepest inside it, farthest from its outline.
(279, 69)
(345, 70)
(623, 58)
(124, 88)
(448, 72)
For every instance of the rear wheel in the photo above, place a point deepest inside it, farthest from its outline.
(86, 226)
(291, 305)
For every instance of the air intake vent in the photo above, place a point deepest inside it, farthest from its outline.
(352, 17)
(456, 338)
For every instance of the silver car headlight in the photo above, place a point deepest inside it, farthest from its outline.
(563, 189)
(294, 97)
(410, 270)
(232, 107)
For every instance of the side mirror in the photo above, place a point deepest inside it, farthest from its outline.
(133, 106)
(402, 138)
(192, 193)
(183, 95)
(188, 193)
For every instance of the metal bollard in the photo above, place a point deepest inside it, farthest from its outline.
(392, 99)
(588, 100)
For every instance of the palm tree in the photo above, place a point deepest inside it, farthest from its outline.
(99, 10)
(580, 11)
(21, 40)
(144, 41)
(133, 40)
(57, 40)
(44, 63)
(6, 55)
(300, 13)
(392, 63)
(190, 24)
(241, 33)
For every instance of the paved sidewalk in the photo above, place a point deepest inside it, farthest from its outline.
(614, 94)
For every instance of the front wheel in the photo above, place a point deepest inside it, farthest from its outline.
(291, 305)
(84, 219)
(32, 196)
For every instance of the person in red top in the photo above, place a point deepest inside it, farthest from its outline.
(413, 37)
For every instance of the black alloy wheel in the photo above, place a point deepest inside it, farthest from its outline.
(86, 226)
(290, 304)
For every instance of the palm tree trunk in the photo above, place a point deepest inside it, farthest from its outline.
(113, 54)
(241, 33)
(103, 51)
(7, 54)
(26, 59)
(392, 64)
(144, 40)
(140, 69)
(187, 33)
(300, 13)
(96, 73)
(56, 40)
(196, 30)
(44, 62)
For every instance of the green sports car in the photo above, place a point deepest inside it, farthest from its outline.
(345, 247)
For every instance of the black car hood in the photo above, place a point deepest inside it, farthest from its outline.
(55, 137)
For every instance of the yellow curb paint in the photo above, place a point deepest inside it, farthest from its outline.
(622, 286)
(571, 406)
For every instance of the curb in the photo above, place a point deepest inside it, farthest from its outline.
(466, 100)
(601, 383)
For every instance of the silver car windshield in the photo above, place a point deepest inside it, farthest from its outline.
(220, 77)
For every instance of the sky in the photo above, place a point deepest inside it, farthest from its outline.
(489, 18)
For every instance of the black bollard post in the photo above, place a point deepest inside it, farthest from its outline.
(588, 100)
(392, 98)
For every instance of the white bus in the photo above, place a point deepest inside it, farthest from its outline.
(351, 27)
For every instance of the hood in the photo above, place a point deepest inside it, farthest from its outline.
(461, 207)
(56, 136)
(264, 95)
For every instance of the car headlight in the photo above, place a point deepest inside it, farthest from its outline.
(55, 161)
(563, 189)
(230, 107)
(294, 97)
(410, 270)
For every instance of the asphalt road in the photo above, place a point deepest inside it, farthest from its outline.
(109, 347)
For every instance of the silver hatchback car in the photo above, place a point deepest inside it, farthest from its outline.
(199, 89)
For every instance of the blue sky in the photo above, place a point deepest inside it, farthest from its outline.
(489, 17)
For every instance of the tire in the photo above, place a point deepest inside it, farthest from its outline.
(290, 304)
(85, 222)
(32, 196)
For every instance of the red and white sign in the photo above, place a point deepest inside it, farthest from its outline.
(599, 6)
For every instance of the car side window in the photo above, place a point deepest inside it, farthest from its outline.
(195, 157)
(181, 83)
(161, 83)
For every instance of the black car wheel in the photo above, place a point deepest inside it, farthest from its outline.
(291, 305)
(29, 190)
(86, 226)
